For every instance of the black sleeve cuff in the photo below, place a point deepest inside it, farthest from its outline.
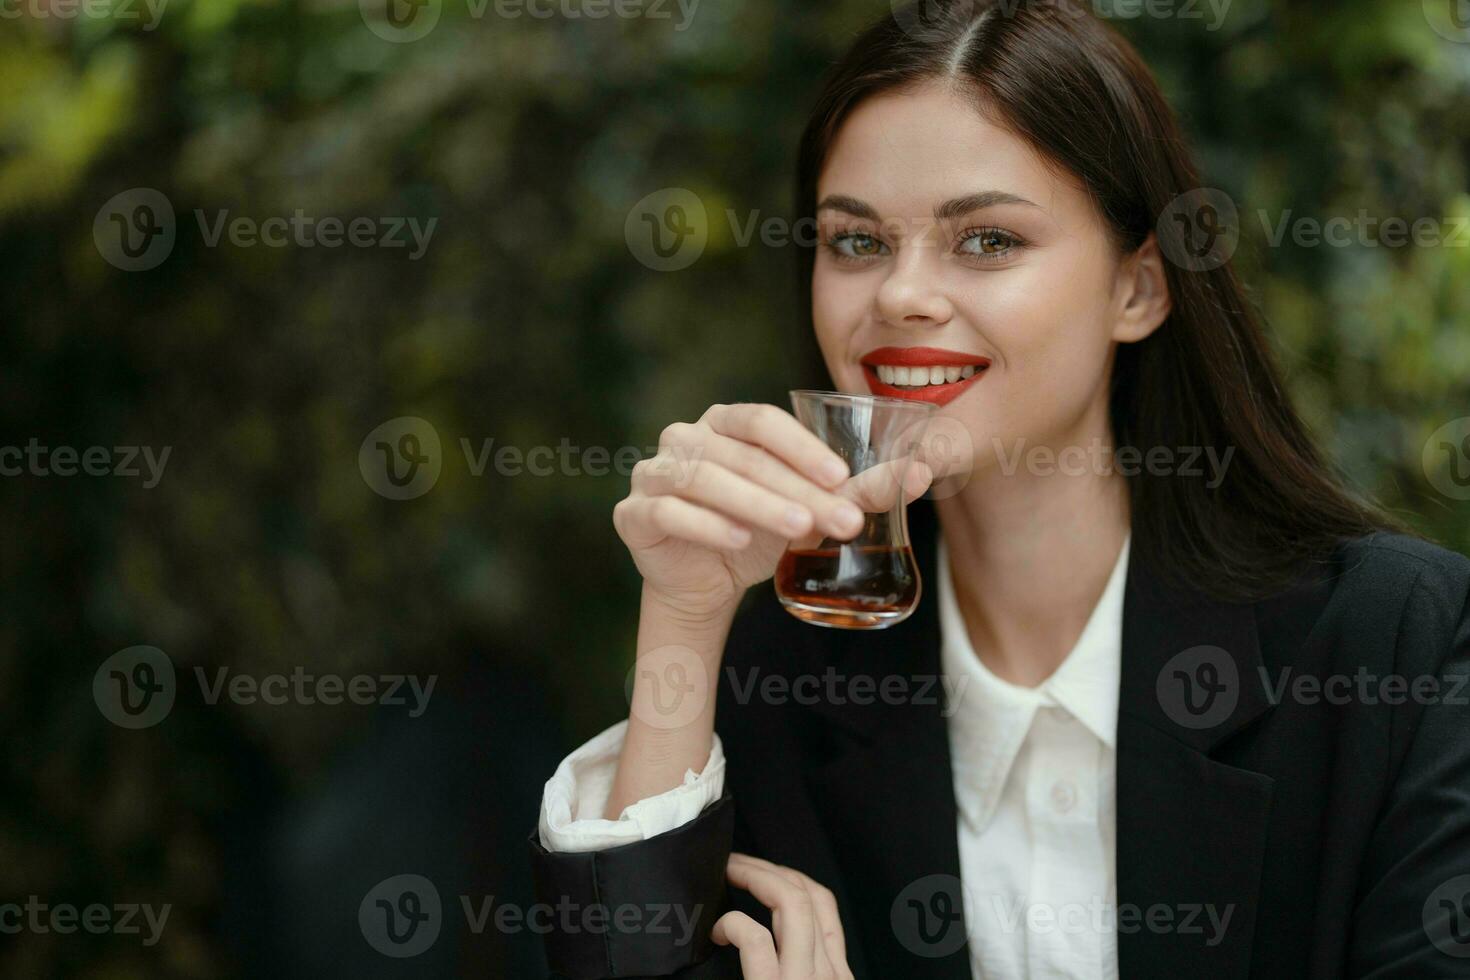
(639, 910)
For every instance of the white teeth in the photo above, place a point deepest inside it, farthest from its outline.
(919, 377)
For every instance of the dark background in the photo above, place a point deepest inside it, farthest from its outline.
(530, 320)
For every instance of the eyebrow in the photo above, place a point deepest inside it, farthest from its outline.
(953, 208)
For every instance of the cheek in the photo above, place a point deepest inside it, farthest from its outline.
(839, 305)
(1049, 321)
(1050, 316)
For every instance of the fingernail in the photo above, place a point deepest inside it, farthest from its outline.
(849, 515)
(835, 470)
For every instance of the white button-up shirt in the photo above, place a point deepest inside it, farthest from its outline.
(1034, 772)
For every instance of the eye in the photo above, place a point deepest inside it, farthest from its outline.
(856, 246)
(989, 244)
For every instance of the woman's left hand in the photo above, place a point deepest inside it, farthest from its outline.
(808, 942)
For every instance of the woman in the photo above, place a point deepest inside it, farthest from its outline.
(1148, 719)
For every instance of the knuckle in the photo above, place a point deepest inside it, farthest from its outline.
(766, 417)
(797, 898)
(675, 433)
(661, 509)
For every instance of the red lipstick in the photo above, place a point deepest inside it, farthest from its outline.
(922, 357)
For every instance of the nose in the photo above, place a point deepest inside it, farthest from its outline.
(912, 296)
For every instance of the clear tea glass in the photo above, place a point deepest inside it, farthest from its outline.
(872, 581)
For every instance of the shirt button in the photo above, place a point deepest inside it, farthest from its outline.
(1063, 796)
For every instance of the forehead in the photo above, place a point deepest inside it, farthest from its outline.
(905, 150)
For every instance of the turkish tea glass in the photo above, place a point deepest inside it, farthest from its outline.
(872, 581)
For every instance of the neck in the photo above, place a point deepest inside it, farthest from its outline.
(1029, 556)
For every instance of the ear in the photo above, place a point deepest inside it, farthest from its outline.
(1142, 293)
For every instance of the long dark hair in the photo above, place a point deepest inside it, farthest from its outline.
(1079, 93)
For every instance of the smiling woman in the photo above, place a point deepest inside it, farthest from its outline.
(1006, 228)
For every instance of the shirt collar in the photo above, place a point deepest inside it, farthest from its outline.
(991, 717)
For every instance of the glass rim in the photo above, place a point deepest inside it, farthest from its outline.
(886, 401)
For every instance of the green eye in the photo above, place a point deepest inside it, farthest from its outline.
(856, 245)
(989, 243)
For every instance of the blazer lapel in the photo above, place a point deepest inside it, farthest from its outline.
(1191, 829)
(887, 793)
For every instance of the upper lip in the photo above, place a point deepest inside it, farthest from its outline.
(922, 357)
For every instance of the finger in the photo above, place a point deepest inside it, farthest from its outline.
(832, 512)
(794, 919)
(712, 485)
(757, 950)
(779, 433)
(876, 488)
(644, 521)
(829, 921)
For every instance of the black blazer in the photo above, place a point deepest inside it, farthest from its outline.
(1332, 824)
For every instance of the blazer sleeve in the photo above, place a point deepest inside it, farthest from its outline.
(643, 909)
(1412, 919)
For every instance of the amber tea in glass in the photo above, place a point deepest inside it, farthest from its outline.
(871, 581)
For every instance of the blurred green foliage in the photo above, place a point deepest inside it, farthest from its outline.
(528, 321)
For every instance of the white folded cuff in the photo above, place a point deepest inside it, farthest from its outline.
(576, 795)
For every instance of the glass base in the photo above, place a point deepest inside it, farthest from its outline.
(845, 619)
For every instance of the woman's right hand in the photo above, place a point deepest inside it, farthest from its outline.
(711, 513)
(708, 516)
